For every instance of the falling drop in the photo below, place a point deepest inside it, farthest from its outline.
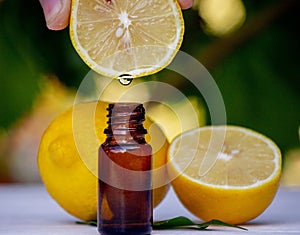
(125, 79)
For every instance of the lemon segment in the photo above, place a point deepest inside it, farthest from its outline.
(135, 37)
(241, 180)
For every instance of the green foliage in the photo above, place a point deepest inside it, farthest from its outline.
(30, 51)
(260, 82)
(18, 72)
(258, 76)
(182, 222)
(258, 94)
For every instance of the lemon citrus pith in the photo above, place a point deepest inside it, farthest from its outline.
(62, 168)
(135, 37)
(242, 178)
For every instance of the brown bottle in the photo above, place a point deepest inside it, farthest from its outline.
(124, 163)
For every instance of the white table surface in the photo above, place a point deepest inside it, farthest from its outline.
(29, 210)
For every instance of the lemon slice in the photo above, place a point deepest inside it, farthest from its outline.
(240, 181)
(126, 37)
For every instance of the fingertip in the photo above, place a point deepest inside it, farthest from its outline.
(57, 13)
(185, 4)
(58, 23)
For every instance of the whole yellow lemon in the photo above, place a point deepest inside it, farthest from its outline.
(67, 158)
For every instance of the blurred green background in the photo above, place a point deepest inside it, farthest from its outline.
(255, 66)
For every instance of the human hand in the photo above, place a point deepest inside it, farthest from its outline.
(57, 12)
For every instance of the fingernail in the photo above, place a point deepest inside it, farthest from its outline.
(185, 4)
(53, 13)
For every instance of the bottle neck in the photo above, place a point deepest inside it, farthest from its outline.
(125, 123)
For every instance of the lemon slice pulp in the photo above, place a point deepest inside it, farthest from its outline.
(132, 37)
(241, 175)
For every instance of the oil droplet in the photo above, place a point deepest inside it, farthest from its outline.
(125, 79)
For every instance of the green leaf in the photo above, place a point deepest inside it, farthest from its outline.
(183, 222)
(180, 221)
(92, 222)
(220, 223)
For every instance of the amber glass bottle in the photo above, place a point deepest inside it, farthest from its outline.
(124, 166)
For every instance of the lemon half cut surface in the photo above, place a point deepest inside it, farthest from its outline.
(132, 37)
(243, 178)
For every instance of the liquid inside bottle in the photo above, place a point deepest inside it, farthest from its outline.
(124, 166)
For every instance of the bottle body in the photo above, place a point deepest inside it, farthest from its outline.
(124, 163)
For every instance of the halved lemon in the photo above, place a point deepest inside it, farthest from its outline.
(228, 173)
(126, 37)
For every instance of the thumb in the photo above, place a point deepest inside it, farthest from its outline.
(57, 13)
